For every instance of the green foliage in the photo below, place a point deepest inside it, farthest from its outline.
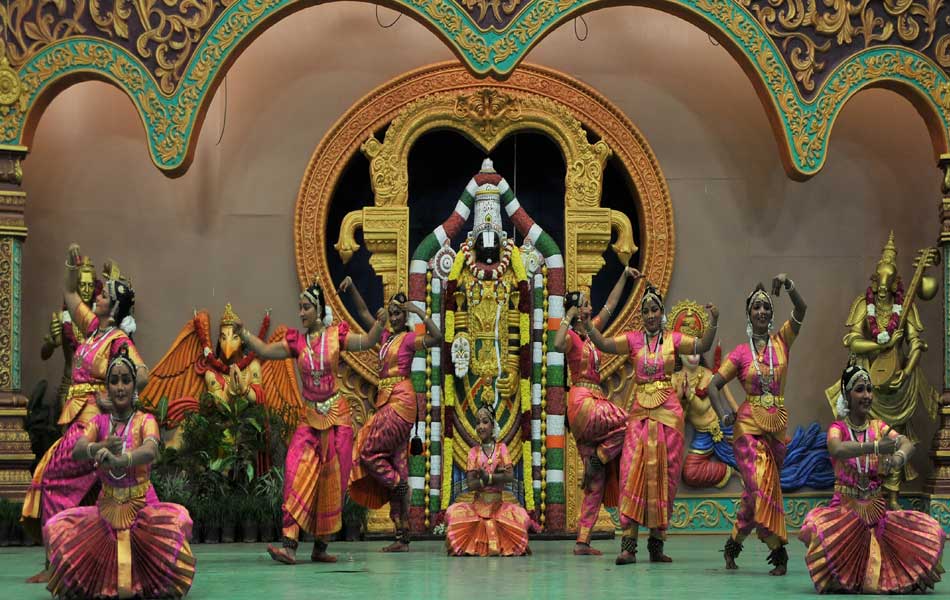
(214, 473)
(270, 488)
(10, 511)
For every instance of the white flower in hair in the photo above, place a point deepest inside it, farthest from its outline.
(841, 406)
(327, 316)
(872, 310)
(128, 325)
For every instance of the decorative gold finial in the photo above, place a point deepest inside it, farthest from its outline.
(229, 317)
(87, 266)
(889, 255)
(110, 270)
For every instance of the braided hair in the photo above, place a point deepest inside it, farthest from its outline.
(121, 304)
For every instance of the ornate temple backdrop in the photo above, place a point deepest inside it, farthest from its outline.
(223, 231)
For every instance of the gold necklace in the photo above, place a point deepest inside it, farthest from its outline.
(856, 427)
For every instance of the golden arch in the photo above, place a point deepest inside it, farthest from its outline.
(446, 96)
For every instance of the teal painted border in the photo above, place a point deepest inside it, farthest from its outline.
(17, 295)
(804, 127)
(939, 508)
(717, 514)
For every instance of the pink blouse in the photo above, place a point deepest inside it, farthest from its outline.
(323, 350)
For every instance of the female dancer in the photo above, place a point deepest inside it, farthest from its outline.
(487, 526)
(381, 468)
(759, 435)
(59, 481)
(597, 424)
(129, 544)
(856, 544)
(652, 456)
(313, 491)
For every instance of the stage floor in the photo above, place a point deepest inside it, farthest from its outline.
(244, 571)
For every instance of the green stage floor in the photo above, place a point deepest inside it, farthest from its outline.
(244, 571)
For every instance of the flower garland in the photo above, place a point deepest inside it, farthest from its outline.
(482, 271)
(884, 337)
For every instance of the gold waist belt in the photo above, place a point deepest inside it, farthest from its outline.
(766, 401)
(78, 390)
(653, 394)
(490, 497)
(654, 386)
(327, 405)
(857, 493)
(125, 494)
(589, 385)
(390, 382)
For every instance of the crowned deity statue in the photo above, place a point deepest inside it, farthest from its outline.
(225, 369)
(710, 461)
(884, 337)
(488, 304)
(63, 335)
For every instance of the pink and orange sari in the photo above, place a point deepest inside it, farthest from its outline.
(855, 544)
(652, 457)
(319, 455)
(59, 482)
(487, 526)
(598, 427)
(759, 435)
(129, 544)
(380, 454)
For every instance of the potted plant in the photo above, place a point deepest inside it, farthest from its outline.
(18, 535)
(270, 489)
(250, 516)
(211, 512)
(6, 521)
(354, 520)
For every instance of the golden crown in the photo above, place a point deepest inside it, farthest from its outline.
(86, 266)
(889, 254)
(229, 317)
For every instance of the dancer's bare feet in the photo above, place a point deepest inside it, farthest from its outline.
(323, 557)
(581, 549)
(397, 546)
(41, 577)
(282, 554)
(626, 558)
(319, 553)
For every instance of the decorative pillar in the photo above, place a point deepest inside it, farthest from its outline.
(586, 235)
(937, 487)
(386, 235)
(16, 456)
